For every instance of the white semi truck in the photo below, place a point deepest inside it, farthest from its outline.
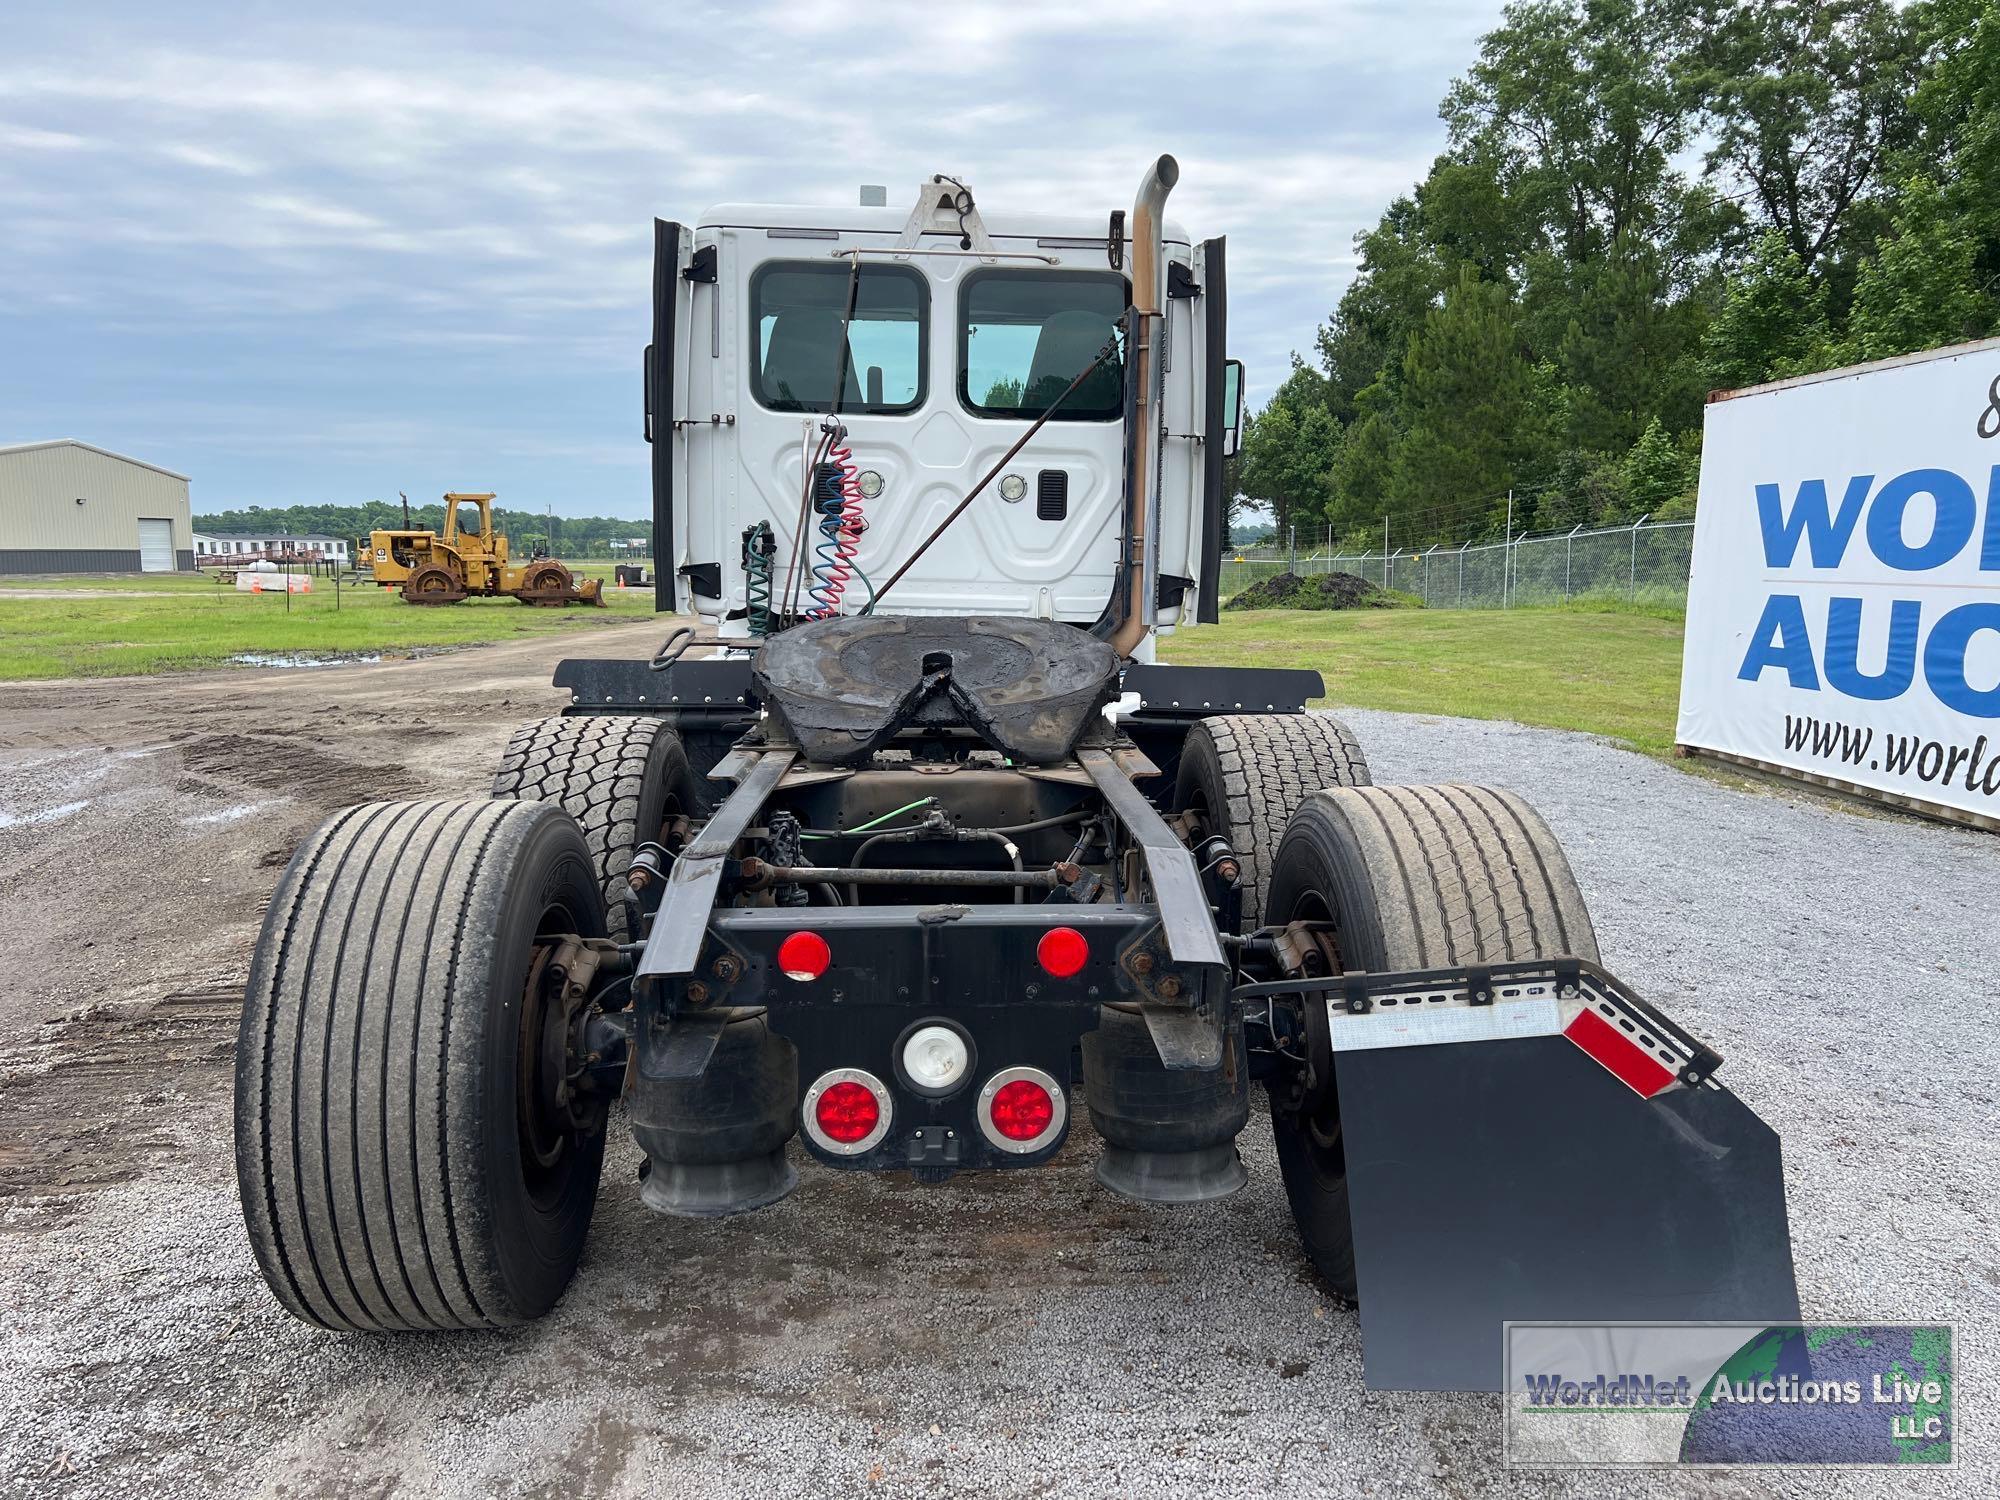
(903, 853)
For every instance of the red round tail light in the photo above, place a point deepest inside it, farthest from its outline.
(1062, 952)
(847, 1112)
(804, 955)
(1021, 1110)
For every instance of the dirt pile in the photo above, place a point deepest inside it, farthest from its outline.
(1319, 591)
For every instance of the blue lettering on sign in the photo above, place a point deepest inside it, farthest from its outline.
(1826, 534)
(1944, 660)
(1950, 530)
(1782, 641)
(1843, 650)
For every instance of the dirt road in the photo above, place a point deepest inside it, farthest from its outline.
(1013, 1334)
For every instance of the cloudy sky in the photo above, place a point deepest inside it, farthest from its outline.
(326, 253)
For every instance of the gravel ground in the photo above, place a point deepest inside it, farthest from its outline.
(1021, 1334)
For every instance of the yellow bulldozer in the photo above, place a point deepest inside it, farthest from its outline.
(467, 557)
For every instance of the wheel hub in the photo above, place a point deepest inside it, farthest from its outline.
(556, 1101)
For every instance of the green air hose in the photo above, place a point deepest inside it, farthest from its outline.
(830, 833)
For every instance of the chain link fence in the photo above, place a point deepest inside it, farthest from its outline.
(1645, 562)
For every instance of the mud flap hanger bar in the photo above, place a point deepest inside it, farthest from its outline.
(1482, 984)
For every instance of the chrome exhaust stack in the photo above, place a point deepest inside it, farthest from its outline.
(1128, 613)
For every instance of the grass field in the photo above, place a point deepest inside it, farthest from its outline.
(1610, 672)
(1613, 673)
(174, 622)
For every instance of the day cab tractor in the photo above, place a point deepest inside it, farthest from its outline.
(903, 848)
(469, 557)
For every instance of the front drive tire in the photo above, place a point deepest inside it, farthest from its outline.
(1411, 877)
(1242, 776)
(620, 776)
(379, 1073)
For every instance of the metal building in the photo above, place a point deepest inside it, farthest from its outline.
(66, 507)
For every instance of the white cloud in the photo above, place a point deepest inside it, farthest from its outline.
(368, 204)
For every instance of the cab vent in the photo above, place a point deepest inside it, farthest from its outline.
(1052, 495)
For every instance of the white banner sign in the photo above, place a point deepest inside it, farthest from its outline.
(1844, 606)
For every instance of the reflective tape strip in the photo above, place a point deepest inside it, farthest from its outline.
(1420, 1026)
(1622, 1057)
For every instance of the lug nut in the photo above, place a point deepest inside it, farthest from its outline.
(697, 992)
(1170, 987)
(1142, 963)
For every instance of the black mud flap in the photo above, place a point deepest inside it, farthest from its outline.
(1573, 1175)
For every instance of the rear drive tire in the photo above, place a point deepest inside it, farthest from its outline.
(1242, 775)
(621, 776)
(1412, 877)
(381, 1073)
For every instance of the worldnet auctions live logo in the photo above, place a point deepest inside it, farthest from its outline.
(1712, 1394)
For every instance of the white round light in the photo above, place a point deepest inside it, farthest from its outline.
(935, 1057)
(871, 484)
(1013, 488)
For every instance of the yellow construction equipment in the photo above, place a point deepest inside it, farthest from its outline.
(468, 558)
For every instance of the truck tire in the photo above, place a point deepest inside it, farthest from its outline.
(1412, 877)
(621, 776)
(380, 1074)
(1242, 775)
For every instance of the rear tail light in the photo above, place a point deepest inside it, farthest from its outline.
(935, 1057)
(1021, 1110)
(804, 955)
(847, 1111)
(1062, 952)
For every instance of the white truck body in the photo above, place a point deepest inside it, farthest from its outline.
(936, 335)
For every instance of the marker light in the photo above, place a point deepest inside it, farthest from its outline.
(871, 484)
(1021, 1110)
(847, 1111)
(1062, 952)
(804, 955)
(936, 1058)
(1013, 488)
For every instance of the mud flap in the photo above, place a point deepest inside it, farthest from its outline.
(1535, 1158)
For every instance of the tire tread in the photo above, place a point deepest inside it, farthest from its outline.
(354, 1154)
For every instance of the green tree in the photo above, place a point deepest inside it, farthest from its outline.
(1654, 471)
(1921, 288)
(1773, 321)
(1288, 451)
(1465, 390)
(1807, 102)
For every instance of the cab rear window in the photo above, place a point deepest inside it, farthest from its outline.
(1025, 335)
(796, 313)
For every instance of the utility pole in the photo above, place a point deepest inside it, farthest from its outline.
(1507, 556)
(1292, 547)
(1385, 552)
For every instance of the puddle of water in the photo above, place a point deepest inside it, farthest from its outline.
(226, 815)
(301, 659)
(46, 815)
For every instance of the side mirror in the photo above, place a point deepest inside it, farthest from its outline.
(1232, 407)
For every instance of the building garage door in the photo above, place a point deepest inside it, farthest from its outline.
(156, 545)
